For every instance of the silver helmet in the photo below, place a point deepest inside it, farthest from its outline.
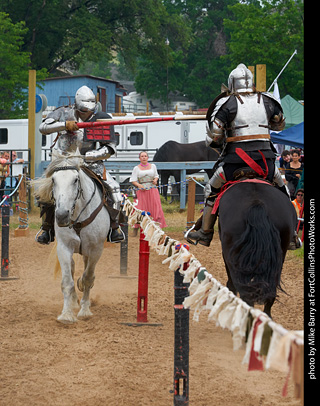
(240, 79)
(85, 100)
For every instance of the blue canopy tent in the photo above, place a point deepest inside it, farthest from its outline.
(293, 136)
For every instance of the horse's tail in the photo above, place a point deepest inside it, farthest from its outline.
(257, 258)
(57, 268)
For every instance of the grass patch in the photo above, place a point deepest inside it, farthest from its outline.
(34, 221)
(299, 253)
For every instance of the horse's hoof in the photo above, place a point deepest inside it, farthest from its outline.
(67, 318)
(84, 313)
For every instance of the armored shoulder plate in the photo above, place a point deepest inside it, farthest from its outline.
(212, 106)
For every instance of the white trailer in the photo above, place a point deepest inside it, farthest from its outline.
(132, 138)
(14, 137)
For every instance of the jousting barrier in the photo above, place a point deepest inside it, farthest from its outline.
(268, 345)
(22, 230)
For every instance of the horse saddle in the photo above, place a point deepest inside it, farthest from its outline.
(246, 173)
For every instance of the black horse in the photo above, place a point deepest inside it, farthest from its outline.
(256, 225)
(173, 151)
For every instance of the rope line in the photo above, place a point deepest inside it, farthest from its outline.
(5, 197)
(132, 188)
(206, 293)
(23, 222)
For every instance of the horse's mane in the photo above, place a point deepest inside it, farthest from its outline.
(43, 185)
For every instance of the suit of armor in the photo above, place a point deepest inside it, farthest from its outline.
(243, 121)
(64, 120)
(239, 118)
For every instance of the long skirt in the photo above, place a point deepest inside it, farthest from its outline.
(149, 200)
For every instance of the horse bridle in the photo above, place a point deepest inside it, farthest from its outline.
(77, 226)
(79, 191)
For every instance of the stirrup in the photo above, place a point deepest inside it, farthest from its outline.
(121, 236)
(186, 236)
(294, 245)
(203, 239)
(47, 241)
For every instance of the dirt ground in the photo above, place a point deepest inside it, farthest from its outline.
(100, 361)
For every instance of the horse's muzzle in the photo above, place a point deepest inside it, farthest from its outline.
(62, 217)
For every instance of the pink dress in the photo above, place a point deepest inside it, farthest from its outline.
(148, 200)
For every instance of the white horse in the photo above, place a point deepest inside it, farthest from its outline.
(82, 223)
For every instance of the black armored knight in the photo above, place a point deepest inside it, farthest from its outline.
(239, 122)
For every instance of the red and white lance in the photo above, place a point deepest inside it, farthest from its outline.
(103, 123)
(100, 130)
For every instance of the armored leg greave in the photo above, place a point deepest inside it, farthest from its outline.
(203, 230)
(116, 234)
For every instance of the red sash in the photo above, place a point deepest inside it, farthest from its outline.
(250, 162)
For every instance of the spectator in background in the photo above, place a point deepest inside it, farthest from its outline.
(17, 168)
(298, 201)
(284, 161)
(145, 177)
(4, 171)
(294, 172)
(298, 204)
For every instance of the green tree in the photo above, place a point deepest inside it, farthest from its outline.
(222, 34)
(75, 31)
(268, 32)
(194, 67)
(13, 69)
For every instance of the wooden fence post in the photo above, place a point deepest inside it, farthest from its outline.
(23, 229)
(191, 202)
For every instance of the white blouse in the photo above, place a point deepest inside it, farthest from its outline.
(145, 177)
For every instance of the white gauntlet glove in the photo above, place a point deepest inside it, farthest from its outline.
(98, 155)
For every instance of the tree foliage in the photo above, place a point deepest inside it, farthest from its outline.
(268, 32)
(194, 69)
(13, 67)
(207, 39)
(224, 33)
(73, 31)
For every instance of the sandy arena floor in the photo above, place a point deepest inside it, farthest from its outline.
(99, 361)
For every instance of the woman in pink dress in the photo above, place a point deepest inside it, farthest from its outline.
(145, 177)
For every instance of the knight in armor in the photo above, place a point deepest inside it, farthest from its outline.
(63, 120)
(239, 118)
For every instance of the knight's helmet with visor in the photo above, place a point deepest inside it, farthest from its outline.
(85, 101)
(240, 79)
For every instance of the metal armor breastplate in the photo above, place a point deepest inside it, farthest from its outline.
(69, 142)
(251, 117)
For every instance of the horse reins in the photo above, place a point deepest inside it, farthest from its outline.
(77, 226)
